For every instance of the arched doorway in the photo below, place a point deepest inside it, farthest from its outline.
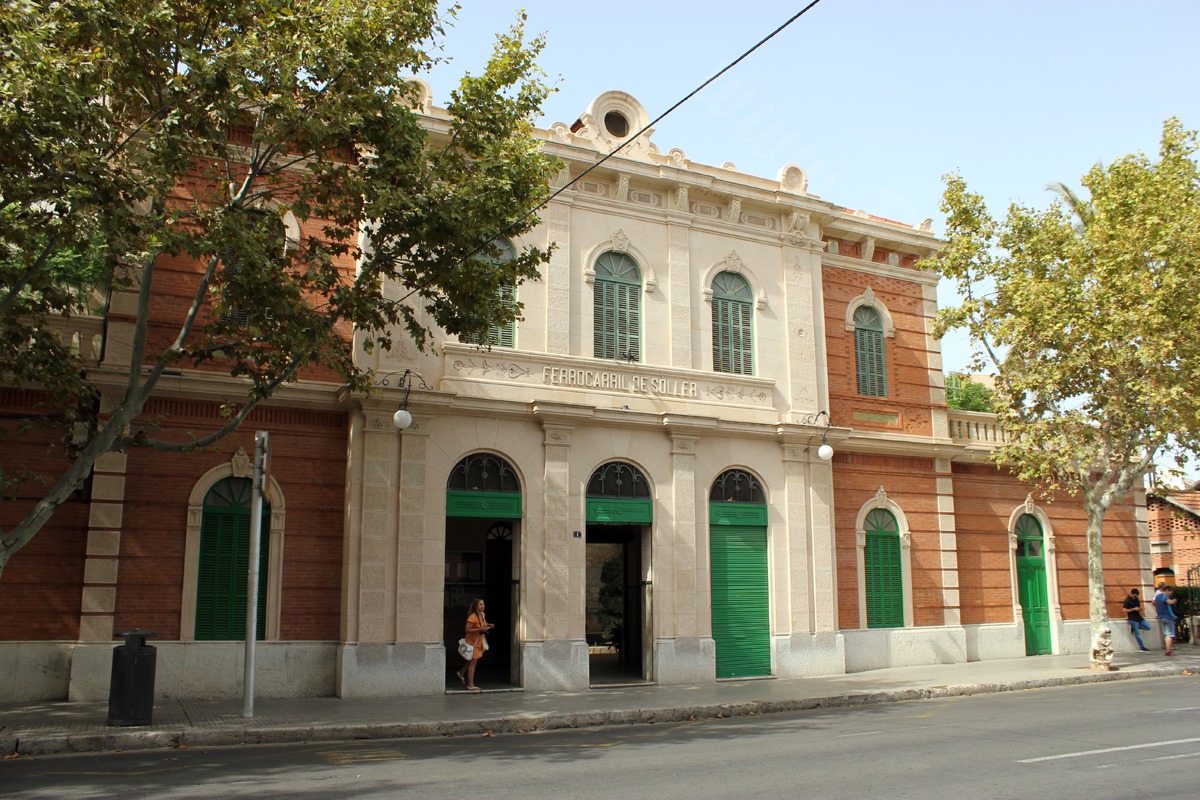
(483, 513)
(1032, 593)
(619, 518)
(741, 615)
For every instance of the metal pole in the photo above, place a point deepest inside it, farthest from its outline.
(262, 452)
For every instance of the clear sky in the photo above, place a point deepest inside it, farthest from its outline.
(874, 99)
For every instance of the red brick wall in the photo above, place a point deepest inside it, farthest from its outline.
(906, 354)
(308, 462)
(41, 590)
(984, 500)
(912, 484)
(1169, 523)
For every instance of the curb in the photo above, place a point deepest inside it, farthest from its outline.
(128, 741)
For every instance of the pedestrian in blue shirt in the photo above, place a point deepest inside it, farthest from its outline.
(1164, 602)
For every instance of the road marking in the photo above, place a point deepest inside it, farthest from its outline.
(898, 730)
(1110, 750)
(1147, 760)
(1173, 710)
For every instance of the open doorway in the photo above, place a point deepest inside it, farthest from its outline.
(617, 604)
(483, 507)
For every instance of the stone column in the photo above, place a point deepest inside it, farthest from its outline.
(93, 655)
(679, 268)
(804, 575)
(553, 572)
(557, 217)
(682, 594)
(947, 530)
(390, 646)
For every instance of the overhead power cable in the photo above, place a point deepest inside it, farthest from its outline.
(622, 145)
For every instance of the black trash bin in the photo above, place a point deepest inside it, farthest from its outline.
(131, 690)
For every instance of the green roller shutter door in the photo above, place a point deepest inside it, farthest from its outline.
(222, 574)
(740, 611)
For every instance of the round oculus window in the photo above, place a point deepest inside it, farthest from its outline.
(616, 124)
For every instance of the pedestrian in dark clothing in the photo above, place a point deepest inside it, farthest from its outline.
(1137, 623)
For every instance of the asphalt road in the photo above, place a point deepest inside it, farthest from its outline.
(1122, 739)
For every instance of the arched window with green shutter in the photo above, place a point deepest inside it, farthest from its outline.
(884, 575)
(221, 574)
(500, 335)
(868, 352)
(732, 324)
(617, 308)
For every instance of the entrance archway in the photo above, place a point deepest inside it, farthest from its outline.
(741, 614)
(483, 514)
(619, 519)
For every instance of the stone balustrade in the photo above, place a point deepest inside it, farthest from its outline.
(975, 428)
(85, 335)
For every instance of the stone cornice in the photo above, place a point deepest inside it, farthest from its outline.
(882, 270)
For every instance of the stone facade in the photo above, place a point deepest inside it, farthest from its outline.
(375, 563)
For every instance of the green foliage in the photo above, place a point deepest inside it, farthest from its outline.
(1087, 314)
(964, 394)
(137, 130)
(1088, 317)
(612, 597)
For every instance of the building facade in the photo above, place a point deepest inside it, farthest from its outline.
(715, 445)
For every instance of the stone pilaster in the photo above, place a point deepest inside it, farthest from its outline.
(680, 298)
(805, 329)
(391, 621)
(553, 574)
(557, 218)
(949, 543)
(105, 518)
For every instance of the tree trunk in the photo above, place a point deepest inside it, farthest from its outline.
(1102, 651)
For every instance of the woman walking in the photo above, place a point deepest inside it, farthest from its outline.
(477, 626)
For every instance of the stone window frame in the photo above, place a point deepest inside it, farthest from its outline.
(1031, 508)
(237, 467)
(882, 501)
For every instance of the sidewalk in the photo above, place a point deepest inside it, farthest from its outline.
(44, 728)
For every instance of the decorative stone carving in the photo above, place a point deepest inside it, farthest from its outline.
(681, 199)
(623, 188)
(729, 165)
(881, 497)
(733, 262)
(869, 248)
(926, 224)
(559, 132)
(735, 209)
(1029, 503)
(240, 464)
(620, 242)
(793, 179)
(678, 159)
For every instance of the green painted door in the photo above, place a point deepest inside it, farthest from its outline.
(740, 612)
(221, 576)
(1031, 586)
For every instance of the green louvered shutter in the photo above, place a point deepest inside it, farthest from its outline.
(732, 322)
(868, 352)
(884, 580)
(221, 574)
(740, 612)
(617, 308)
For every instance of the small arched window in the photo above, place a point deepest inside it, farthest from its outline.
(868, 352)
(732, 324)
(617, 308)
